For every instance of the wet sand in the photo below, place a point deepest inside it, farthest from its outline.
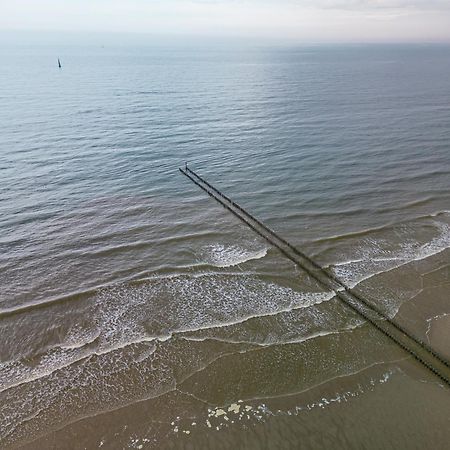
(439, 334)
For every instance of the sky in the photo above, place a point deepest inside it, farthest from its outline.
(290, 20)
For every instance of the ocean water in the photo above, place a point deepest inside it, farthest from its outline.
(135, 312)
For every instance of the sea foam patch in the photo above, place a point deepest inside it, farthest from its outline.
(221, 255)
(399, 246)
(246, 412)
(155, 310)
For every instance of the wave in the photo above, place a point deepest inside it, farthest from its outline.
(375, 260)
(121, 317)
(198, 302)
(387, 226)
(220, 255)
(300, 340)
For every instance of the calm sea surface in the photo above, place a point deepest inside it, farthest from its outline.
(135, 312)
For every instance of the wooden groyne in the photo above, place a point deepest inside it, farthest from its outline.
(411, 344)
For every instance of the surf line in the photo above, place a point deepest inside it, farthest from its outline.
(416, 347)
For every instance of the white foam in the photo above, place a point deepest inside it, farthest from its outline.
(354, 271)
(256, 409)
(155, 310)
(220, 255)
(299, 340)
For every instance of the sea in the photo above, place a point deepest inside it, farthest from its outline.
(138, 313)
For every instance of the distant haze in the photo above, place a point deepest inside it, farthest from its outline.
(291, 20)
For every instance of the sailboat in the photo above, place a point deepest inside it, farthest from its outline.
(59, 63)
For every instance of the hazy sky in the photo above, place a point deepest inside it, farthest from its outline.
(298, 20)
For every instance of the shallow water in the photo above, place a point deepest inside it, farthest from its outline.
(135, 312)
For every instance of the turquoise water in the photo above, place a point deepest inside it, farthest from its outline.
(343, 150)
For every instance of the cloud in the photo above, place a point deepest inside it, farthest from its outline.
(301, 20)
(339, 4)
(381, 4)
